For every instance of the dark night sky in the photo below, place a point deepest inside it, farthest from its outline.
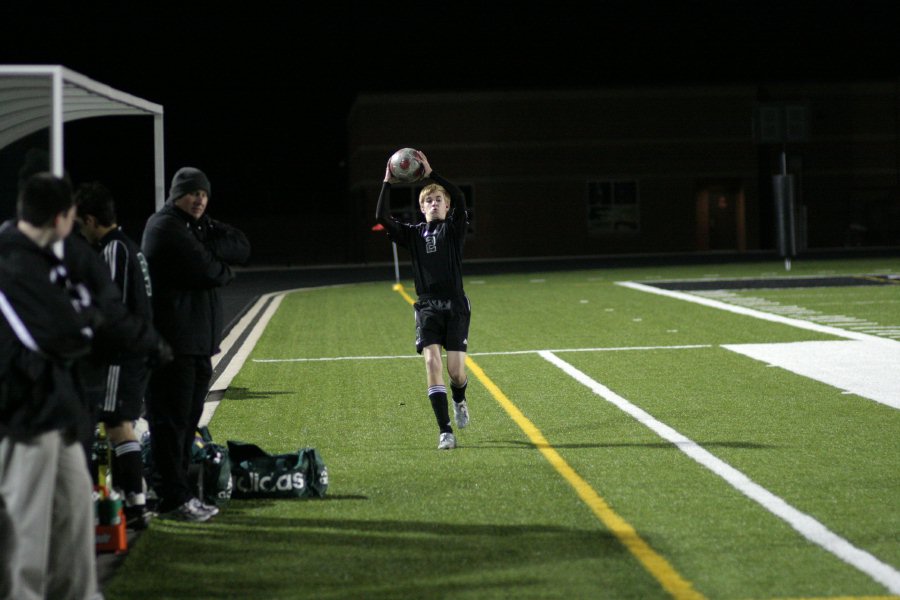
(258, 95)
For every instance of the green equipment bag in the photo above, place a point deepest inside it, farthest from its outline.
(258, 474)
(210, 469)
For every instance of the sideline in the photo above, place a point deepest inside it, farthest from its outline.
(236, 347)
(807, 526)
(654, 563)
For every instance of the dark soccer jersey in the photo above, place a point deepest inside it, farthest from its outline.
(127, 379)
(436, 248)
(128, 269)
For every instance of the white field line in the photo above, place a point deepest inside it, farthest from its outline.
(333, 358)
(867, 372)
(224, 380)
(510, 353)
(228, 374)
(815, 316)
(861, 368)
(806, 525)
(741, 310)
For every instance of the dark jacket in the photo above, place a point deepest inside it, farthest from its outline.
(118, 335)
(128, 268)
(121, 332)
(46, 325)
(189, 260)
(436, 247)
(126, 378)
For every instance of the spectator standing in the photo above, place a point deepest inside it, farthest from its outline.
(189, 255)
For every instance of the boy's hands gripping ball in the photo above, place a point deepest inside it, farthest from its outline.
(405, 165)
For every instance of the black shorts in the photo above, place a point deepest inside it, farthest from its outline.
(444, 322)
(124, 397)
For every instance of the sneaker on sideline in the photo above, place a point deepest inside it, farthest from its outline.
(192, 511)
(210, 508)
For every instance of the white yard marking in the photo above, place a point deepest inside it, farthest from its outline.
(508, 353)
(804, 524)
(867, 367)
(333, 358)
(750, 312)
(862, 368)
(806, 314)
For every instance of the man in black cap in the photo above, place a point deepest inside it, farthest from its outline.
(189, 255)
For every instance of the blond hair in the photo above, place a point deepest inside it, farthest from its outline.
(432, 188)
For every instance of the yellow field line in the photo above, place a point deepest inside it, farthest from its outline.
(655, 564)
(398, 287)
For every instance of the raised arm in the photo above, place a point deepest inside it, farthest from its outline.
(383, 209)
(457, 198)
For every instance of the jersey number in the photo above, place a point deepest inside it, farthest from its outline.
(430, 244)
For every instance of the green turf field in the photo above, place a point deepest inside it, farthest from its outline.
(607, 428)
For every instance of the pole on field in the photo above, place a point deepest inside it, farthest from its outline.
(783, 188)
(396, 263)
(784, 123)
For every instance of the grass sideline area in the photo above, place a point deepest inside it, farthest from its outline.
(556, 490)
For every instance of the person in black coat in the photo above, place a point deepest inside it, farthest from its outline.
(119, 333)
(189, 255)
(125, 377)
(47, 324)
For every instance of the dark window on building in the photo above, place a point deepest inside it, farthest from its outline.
(613, 206)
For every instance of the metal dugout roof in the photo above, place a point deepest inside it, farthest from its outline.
(34, 97)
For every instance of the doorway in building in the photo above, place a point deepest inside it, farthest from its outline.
(720, 216)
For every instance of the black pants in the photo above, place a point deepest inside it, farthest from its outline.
(174, 406)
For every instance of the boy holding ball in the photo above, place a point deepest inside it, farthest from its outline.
(442, 310)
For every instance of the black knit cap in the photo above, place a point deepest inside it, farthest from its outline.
(186, 181)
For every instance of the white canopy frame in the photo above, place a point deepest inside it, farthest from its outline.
(34, 97)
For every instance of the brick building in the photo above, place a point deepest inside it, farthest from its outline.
(641, 170)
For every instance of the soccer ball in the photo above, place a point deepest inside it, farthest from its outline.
(405, 165)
